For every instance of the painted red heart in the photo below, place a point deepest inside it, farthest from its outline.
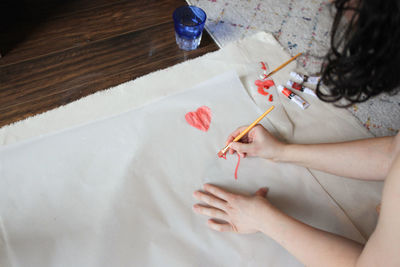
(200, 119)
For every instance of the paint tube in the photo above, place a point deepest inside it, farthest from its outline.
(293, 97)
(305, 78)
(300, 88)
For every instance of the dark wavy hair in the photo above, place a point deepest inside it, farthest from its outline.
(364, 58)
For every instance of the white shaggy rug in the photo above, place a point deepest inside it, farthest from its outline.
(299, 26)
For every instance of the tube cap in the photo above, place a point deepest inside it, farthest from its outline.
(296, 76)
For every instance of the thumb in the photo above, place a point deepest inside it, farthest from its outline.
(240, 147)
(262, 192)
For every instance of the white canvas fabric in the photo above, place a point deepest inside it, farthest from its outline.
(108, 180)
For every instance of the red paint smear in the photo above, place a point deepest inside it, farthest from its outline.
(271, 98)
(269, 83)
(200, 119)
(261, 90)
(237, 166)
(266, 84)
(263, 66)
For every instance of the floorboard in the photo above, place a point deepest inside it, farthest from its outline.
(88, 50)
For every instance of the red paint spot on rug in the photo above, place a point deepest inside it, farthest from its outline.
(200, 119)
(271, 98)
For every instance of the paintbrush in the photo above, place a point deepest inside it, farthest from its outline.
(223, 151)
(281, 66)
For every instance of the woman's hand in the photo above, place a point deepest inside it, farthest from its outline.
(258, 142)
(233, 212)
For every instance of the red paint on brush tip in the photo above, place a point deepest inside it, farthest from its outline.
(222, 155)
(200, 119)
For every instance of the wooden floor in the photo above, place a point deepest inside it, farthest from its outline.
(57, 51)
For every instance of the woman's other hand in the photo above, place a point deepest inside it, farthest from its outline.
(233, 212)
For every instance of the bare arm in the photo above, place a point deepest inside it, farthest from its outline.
(383, 247)
(313, 247)
(326, 249)
(248, 214)
(365, 159)
(368, 159)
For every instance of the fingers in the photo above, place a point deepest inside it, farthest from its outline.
(210, 200)
(220, 226)
(259, 127)
(241, 148)
(216, 191)
(211, 212)
(262, 192)
(234, 134)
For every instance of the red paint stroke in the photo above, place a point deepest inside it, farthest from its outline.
(237, 166)
(265, 84)
(259, 83)
(200, 119)
(220, 155)
(271, 98)
(261, 91)
(263, 66)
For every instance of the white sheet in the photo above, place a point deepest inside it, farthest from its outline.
(117, 192)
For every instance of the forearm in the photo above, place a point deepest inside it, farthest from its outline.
(309, 245)
(367, 159)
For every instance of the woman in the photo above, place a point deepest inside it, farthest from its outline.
(359, 66)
